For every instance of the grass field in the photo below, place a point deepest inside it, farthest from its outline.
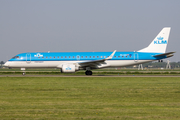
(51, 71)
(104, 98)
(175, 73)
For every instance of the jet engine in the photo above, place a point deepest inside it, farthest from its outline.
(68, 68)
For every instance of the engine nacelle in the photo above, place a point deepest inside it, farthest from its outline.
(68, 68)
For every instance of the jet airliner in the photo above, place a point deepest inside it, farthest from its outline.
(69, 62)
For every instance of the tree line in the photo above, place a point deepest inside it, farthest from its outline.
(161, 64)
(2, 62)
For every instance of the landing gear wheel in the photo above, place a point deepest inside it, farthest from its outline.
(88, 72)
(23, 73)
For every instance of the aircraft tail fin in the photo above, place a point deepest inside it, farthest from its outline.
(159, 44)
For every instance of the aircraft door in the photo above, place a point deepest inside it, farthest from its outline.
(28, 58)
(136, 57)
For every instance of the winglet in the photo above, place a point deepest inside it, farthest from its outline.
(111, 56)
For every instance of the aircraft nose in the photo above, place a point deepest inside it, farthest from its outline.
(6, 64)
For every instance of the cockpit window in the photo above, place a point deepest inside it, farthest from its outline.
(15, 57)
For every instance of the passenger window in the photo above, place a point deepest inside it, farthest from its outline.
(93, 56)
(97, 56)
(104, 56)
(122, 56)
(42, 57)
(73, 56)
(101, 56)
(46, 57)
(69, 56)
(86, 56)
(58, 57)
(65, 57)
(61, 56)
(50, 57)
(89, 56)
(81, 56)
(119, 56)
(54, 57)
(115, 56)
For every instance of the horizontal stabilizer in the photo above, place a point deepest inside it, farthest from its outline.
(169, 54)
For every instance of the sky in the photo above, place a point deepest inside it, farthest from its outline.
(86, 25)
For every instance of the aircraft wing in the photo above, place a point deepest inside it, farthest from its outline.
(169, 54)
(96, 62)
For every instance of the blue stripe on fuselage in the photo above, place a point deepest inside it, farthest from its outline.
(83, 56)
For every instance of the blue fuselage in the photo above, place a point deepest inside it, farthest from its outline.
(84, 56)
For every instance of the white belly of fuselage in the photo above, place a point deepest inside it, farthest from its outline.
(55, 64)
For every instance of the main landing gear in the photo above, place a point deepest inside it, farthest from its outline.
(88, 72)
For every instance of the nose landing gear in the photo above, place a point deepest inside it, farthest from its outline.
(23, 73)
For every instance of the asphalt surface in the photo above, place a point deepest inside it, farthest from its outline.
(90, 76)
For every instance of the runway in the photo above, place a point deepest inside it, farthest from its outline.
(90, 76)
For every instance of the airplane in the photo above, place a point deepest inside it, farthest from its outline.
(70, 62)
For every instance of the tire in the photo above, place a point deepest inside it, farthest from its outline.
(88, 72)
